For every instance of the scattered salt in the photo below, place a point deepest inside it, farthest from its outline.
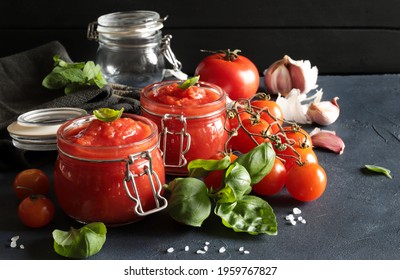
(246, 252)
(201, 252)
(296, 211)
(303, 221)
(205, 248)
(289, 217)
(207, 243)
(170, 250)
(22, 246)
(300, 218)
(186, 248)
(293, 222)
(13, 244)
(15, 238)
(222, 250)
(241, 249)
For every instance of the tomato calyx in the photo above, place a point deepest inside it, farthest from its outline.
(227, 55)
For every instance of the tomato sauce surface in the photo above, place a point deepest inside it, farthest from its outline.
(173, 95)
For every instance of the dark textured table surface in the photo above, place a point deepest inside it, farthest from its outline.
(358, 217)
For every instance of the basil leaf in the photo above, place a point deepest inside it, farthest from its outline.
(107, 114)
(258, 162)
(80, 243)
(54, 81)
(189, 202)
(189, 82)
(201, 167)
(250, 214)
(379, 169)
(237, 184)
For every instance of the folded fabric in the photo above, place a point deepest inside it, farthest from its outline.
(21, 91)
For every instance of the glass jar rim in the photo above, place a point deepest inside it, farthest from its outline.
(190, 111)
(132, 23)
(65, 145)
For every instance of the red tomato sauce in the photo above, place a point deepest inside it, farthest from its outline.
(173, 95)
(92, 166)
(119, 132)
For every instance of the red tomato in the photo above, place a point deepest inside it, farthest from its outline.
(291, 158)
(243, 142)
(299, 136)
(306, 182)
(214, 178)
(234, 73)
(36, 211)
(31, 181)
(273, 182)
(274, 115)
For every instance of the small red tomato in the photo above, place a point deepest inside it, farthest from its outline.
(36, 211)
(306, 182)
(295, 155)
(31, 181)
(243, 142)
(271, 112)
(273, 182)
(234, 73)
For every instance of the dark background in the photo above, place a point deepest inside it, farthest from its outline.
(340, 37)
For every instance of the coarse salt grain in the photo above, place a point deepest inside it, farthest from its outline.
(246, 252)
(13, 244)
(206, 243)
(241, 249)
(296, 211)
(22, 246)
(289, 217)
(293, 222)
(303, 221)
(170, 250)
(222, 250)
(205, 248)
(200, 252)
(300, 218)
(15, 238)
(186, 248)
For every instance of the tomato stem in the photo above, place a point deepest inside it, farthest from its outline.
(227, 55)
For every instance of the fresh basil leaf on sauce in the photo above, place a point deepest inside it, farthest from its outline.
(107, 114)
(189, 82)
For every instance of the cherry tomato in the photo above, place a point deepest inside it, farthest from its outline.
(214, 178)
(243, 142)
(291, 158)
(306, 182)
(298, 136)
(31, 181)
(273, 182)
(36, 211)
(236, 74)
(274, 115)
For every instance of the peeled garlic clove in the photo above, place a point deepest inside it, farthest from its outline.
(325, 112)
(277, 78)
(328, 140)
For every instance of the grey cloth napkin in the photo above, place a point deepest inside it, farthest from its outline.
(21, 91)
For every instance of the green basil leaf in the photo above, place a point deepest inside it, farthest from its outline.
(189, 202)
(107, 114)
(250, 214)
(54, 81)
(73, 75)
(89, 70)
(379, 169)
(189, 82)
(258, 162)
(237, 184)
(72, 87)
(80, 243)
(199, 168)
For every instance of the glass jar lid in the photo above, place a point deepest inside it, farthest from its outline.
(131, 23)
(37, 130)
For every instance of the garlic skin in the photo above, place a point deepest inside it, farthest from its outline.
(327, 139)
(324, 113)
(287, 74)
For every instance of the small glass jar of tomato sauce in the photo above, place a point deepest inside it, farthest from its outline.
(191, 121)
(109, 172)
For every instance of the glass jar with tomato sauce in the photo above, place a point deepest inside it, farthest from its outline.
(191, 121)
(110, 172)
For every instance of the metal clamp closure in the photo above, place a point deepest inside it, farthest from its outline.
(184, 138)
(156, 186)
(92, 33)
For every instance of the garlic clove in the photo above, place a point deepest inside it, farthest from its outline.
(277, 78)
(325, 112)
(328, 140)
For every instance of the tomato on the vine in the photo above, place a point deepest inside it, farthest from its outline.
(297, 154)
(243, 142)
(36, 211)
(214, 178)
(274, 115)
(298, 136)
(234, 73)
(273, 182)
(306, 182)
(31, 181)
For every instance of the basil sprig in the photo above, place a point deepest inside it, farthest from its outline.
(107, 114)
(189, 82)
(74, 76)
(191, 201)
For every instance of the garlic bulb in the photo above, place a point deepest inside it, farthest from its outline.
(287, 74)
(325, 112)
